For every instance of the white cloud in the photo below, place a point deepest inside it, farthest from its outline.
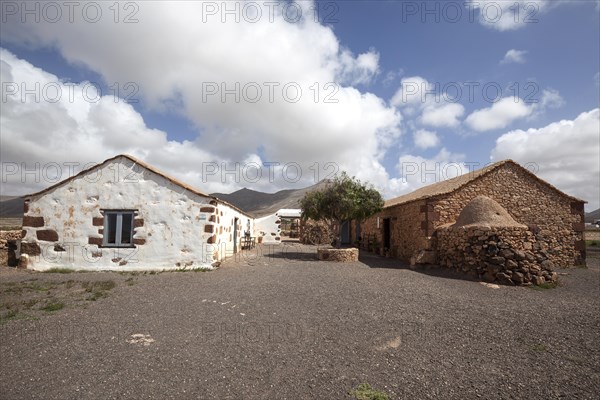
(358, 70)
(413, 90)
(550, 98)
(425, 139)
(439, 115)
(499, 115)
(75, 130)
(416, 171)
(391, 76)
(416, 96)
(565, 153)
(510, 109)
(180, 65)
(510, 15)
(514, 56)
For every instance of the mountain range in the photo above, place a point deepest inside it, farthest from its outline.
(260, 204)
(11, 206)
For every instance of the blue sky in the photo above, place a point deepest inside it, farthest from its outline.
(544, 61)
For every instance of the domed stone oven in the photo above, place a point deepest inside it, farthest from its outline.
(486, 242)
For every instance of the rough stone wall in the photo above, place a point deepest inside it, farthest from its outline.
(408, 229)
(8, 247)
(507, 255)
(316, 232)
(556, 221)
(591, 234)
(339, 255)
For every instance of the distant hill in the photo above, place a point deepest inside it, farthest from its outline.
(260, 204)
(11, 207)
(592, 216)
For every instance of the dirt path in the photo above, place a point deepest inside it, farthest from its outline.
(280, 324)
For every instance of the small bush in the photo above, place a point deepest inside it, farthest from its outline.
(198, 269)
(539, 348)
(53, 307)
(543, 286)
(98, 289)
(364, 391)
(10, 314)
(40, 286)
(30, 303)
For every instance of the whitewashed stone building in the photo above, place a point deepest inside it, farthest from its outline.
(268, 228)
(124, 214)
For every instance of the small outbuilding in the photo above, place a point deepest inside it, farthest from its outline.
(284, 223)
(407, 227)
(124, 214)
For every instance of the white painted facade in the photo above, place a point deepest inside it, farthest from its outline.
(269, 227)
(175, 225)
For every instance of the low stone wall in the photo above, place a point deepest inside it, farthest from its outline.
(315, 232)
(8, 248)
(340, 255)
(592, 234)
(507, 255)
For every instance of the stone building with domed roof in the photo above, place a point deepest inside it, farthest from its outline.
(406, 228)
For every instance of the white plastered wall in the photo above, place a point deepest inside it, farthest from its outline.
(269, 228)
(174, 232)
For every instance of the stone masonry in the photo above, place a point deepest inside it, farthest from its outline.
(339, 255)
(9, 241)
(487, 243)
(405, 226)
(554, 218)
(506, 255)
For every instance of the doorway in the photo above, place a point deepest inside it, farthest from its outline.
(235, 235)
(387, 233)
(345, 232)
(290, 228)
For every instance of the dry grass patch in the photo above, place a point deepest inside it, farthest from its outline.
(33, 298)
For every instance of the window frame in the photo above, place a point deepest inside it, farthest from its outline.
(118, 228)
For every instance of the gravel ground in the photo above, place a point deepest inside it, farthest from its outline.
(282, 325)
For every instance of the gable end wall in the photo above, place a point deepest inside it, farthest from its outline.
(552, 216)
(174, 228)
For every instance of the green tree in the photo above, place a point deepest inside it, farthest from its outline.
(344, 198)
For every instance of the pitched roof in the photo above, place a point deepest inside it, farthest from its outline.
(144, 165)
(452, 185)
